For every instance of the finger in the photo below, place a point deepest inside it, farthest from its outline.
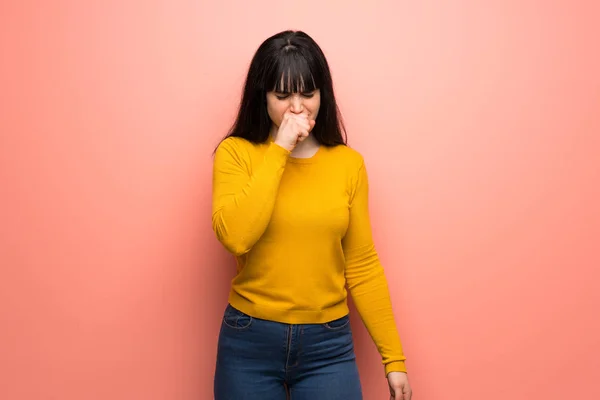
(301, 137)
(303, 122)
(285, 120)
(399, 395)
(296, 115)
(301, 132)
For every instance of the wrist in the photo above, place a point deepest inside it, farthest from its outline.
(284, 145)
(395, 366)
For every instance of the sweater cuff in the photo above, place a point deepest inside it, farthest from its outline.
(276, 155)
(395, 366)
(277, 149)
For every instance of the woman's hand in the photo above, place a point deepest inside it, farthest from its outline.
(293, 129)
(399, 387)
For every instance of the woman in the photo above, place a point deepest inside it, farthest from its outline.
(290, 201)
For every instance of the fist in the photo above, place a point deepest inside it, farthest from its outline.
(294, 129)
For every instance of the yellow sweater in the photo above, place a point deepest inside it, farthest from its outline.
(300, 231)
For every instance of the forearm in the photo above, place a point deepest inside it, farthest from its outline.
(369, 289)
(366, 279)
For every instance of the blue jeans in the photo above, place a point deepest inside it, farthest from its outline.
(262, 360)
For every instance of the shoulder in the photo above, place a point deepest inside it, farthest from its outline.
(235, 148)
(348, 156)
(233, 143)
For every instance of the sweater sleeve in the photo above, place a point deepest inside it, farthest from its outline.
(366, 280)
(242, 203)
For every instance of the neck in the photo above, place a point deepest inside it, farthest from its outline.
(307, 148)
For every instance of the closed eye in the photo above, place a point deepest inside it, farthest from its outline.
(283, 96)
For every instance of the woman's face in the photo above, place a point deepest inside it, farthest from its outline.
(298, 103)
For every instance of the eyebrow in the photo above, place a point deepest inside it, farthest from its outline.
(288, 92)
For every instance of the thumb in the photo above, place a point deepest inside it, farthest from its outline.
(399, 393)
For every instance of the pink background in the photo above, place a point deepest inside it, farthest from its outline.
(480, 124)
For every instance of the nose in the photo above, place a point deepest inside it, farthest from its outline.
(296, 103)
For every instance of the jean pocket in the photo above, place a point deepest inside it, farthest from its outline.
(338, 324)
(236, 319)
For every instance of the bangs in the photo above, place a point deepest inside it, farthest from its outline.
(292, 73)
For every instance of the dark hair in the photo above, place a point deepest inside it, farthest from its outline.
(298, 59)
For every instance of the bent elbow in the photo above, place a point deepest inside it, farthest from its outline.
(233, 243)
(236, 247)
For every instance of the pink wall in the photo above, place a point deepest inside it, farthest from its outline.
(480, 125)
